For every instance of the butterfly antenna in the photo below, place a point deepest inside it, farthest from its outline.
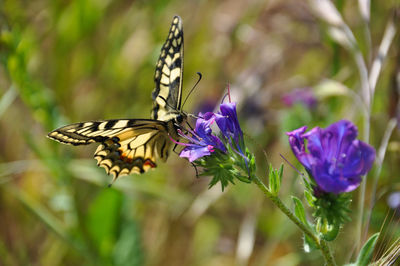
(190, 92)
(194, 116)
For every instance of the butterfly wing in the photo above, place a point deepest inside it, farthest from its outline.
(132, 145)
(127, 145)
(167, 94)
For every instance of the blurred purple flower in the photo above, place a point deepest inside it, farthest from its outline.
(201, 142)
(304, 96)
(394, 200)
(206, 105)
(335, 158)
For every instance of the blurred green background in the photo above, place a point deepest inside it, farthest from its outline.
(71, 61)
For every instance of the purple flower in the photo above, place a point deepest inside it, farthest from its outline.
(335, 158)
(228, 122)
(225, 157)
(304, 96)
(202, 142)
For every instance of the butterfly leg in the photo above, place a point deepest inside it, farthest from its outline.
(195, 168)
(189, 126)
(173, 149)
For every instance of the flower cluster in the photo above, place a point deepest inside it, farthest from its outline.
(201, 142)
(224, 157)
(335, 159)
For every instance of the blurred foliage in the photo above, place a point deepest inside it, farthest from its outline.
(70, 61)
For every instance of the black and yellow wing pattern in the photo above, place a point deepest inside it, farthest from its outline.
(133, 145)
(167, 94)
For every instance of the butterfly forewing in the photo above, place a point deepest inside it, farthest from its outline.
(88, 132)
(127, 145)
(167, 94)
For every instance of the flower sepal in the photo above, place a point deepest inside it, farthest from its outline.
(331, 211)
(327, 231)
(226, 167)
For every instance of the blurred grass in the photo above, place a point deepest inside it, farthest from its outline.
(72, 61)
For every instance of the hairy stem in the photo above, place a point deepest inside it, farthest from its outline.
(319, 243)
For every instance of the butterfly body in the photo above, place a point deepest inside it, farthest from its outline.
(133, 145)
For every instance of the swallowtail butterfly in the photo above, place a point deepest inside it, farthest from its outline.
(133, 145)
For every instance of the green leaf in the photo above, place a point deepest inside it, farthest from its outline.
(300, 213)
(7, 99)
(280, 173)
(103, 219)
(244, 179)
(128, 249)
(299, 210)
(272, 180)
(310, 198)
(307, 183)
(364, 257)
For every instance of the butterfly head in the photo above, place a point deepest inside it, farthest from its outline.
(180, 118)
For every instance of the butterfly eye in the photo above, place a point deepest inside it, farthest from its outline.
(179, 119)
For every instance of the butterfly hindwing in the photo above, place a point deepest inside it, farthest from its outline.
(127, 145)
(167, 94)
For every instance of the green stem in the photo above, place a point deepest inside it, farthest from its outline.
(320, 243)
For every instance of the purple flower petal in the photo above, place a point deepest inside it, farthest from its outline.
(195, 152)
(228, 122)
(296, 142)
(201, 142)
(334, 183)
(360, 158)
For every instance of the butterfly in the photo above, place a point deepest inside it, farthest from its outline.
(133, 145)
